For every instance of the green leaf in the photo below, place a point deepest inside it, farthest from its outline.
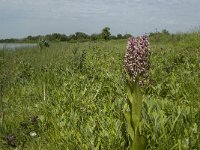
(139, 143)
(129, 126)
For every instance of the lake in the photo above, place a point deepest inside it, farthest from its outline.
(16, 45)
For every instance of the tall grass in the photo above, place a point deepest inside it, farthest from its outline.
(82, 108)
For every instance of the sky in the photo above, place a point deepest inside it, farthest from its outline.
(20, 18)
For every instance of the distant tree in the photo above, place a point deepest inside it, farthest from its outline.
(151, 34)
(94, 37)
(164, 31)
(126, 36)
(11, 40)
(106, 33)
(81, 35)
(49, 37)
(113, 37)
(64, 37)
(53, 37)
(56, 36)
(72, 37)
(29, 38)
(119, 36)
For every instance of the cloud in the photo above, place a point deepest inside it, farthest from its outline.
(22, 17)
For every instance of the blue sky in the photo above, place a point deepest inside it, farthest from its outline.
(20, 18)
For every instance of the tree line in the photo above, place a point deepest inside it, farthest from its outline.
(78, 36)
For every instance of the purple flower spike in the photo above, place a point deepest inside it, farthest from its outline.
(136, 60)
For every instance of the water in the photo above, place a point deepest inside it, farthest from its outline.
(16, 45)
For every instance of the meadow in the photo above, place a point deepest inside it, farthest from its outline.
(71, 96)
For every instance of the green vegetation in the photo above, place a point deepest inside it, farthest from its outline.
(76, 37)
(72, 95)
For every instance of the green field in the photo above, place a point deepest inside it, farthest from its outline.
(71, 96)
